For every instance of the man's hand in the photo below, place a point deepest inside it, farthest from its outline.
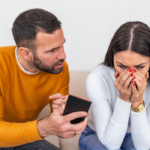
(59, 125)
(58, 100)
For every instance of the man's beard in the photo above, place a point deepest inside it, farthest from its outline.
(49, 69)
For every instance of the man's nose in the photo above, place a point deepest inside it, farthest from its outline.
(62, 54)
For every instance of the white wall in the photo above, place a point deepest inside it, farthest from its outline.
(88, 24)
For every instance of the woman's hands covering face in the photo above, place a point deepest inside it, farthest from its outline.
(131, 85)
(123, 84)
(138, 86)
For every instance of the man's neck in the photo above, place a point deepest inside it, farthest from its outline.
(28, 66)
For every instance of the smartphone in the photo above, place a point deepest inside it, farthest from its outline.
(75, 104)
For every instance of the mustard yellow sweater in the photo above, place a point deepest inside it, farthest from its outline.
(22, 97)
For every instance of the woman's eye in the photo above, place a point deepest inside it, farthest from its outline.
(139, 67)
(52, 50)
(121, 66)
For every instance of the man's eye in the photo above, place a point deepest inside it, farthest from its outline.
(54, 50)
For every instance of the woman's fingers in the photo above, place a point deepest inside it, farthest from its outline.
(128, 81)
(138, 84)
(133, 86)
(147, 75)
(130, 87)
(131, 83)
(122, 83)
(141, 81)
(119, 76)
(122, 78)
(140, 77)
(116, 74)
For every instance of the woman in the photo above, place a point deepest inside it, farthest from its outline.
(120, 94)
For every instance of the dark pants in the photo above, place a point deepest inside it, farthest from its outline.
(37, 145)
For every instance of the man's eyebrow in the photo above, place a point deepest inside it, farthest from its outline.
(134, 66)
(54, 47)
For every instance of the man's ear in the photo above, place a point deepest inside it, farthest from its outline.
(26, 53)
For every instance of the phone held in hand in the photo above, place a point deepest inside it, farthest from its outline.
(75, 104)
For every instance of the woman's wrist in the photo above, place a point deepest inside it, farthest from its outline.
(125, 99)
(135, 104)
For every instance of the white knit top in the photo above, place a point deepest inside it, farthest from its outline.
(111, 117)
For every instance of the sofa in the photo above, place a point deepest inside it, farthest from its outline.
(76, 87)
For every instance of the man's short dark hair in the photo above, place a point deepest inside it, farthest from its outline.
(29, 23)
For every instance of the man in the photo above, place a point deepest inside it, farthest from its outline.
(29, 73)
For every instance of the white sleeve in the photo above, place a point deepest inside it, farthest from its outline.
(140, 129)
(110, 126)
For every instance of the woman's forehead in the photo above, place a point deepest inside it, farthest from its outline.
(130, 57)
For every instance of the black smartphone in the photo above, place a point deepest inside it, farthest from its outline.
(75, 104)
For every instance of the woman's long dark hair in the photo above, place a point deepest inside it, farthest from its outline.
(134, 36)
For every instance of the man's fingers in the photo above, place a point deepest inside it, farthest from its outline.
(68, 134)
(55, 96)
(60, 101)
(66, 98)
(63, 126)
(78, 128)
(74, 115)
(59, 110)
(55, 106)
(63, 108)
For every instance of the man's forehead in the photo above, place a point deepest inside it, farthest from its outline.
(50, 40)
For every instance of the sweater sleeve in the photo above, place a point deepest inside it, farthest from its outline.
(65, 84)
(140, 129)
(110, 126)
(15, 134)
